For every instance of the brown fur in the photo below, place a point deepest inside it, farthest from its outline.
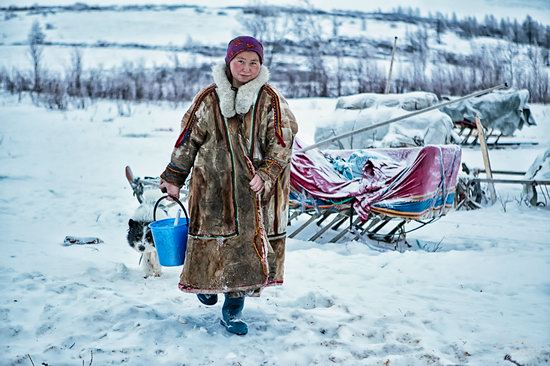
(227, 249)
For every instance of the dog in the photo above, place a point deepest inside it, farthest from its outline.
(140, 237)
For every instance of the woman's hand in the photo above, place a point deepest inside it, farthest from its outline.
(171, 189)
(257, 184)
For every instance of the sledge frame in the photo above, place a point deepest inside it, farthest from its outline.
(471, 194)
(469, 136)
(341, 223)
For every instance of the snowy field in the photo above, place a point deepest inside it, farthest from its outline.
(483, 295)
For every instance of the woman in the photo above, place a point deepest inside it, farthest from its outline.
(237, 136)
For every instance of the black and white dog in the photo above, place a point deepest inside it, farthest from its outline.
(140, 237)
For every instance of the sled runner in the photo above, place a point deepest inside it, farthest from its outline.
(471, 192)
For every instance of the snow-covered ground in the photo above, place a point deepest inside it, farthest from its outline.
(483, 295)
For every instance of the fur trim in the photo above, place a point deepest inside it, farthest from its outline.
(237, 102)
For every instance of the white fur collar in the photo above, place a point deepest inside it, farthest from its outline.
(239, 102)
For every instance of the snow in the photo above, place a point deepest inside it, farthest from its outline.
(213, 23)
(540, 169)
(151, 27)
(513, 9)
(484, 294)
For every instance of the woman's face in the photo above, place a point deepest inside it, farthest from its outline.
(244, 67)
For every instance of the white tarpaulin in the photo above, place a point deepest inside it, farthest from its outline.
(503, 110)
(539, 170)
(362, 110)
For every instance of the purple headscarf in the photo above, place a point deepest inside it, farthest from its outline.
(241, 44)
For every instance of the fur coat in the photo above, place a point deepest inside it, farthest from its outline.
(236, 240)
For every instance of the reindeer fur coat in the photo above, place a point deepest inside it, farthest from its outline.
(236, 239)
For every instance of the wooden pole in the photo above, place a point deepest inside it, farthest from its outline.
(388, 82)
(486, 161)
(544, 182)
(376, 125)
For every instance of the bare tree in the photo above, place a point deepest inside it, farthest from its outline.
(546, 44)
(264, 23)
(440, 26)
(309, 31)
(509, 57)
(538, 82)
(530, 30)
(340, 74)
(368, 75)
(418, 42)
(74, 76)
(36, 40)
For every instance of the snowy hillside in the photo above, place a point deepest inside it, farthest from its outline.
(504, 8)
(150, 34)
(438, 47)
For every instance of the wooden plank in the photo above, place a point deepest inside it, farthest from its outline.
(344, 231)
(306, 224)
(375, 220)
(512, 181)
(504, 172)
(326, 227)
(486, 161)
(388, 82)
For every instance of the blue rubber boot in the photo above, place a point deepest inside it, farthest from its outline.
(231, 314)
(207, 299)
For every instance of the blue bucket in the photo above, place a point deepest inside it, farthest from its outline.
(170, 240)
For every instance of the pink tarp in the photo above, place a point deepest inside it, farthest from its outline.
(416, 183)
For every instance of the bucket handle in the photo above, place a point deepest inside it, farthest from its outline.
(175, 199)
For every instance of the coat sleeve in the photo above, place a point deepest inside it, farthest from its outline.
(280, 133)
(192, 136)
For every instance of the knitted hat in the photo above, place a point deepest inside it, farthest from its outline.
(241, 44)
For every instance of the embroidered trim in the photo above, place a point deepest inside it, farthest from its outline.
(276, 282)
(196, 290)
(270, 162)
(276, 108)
(277, 236)
(253, 128)
(213, 236)
(260, 234)
(233, 173)
(171, 166)
(276, 211)
(272, 168)
(186, 132)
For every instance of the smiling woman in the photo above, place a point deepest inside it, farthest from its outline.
(244, 67)
(237, 138)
